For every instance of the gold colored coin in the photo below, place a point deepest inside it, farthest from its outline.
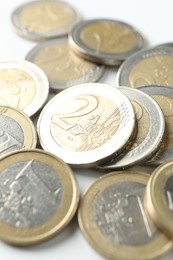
(16, 130)
(113, 219)
(23, 85)
(105, 41)
(152, 70)
(148, 67)
(159, 197)
(39, 196)
(44, 19)
(62, 66)
(103, 36)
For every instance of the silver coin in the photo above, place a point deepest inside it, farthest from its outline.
(105, 41)
(16, 131)
(86, 124)
(114, 221)
(63, 67)
(150, 124)
(23, 85)
(44, 19)
(164, 97)
(39, 196)
(147, 67)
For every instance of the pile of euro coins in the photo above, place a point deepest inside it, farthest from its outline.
(55, 118)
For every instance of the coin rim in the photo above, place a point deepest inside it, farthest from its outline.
(87, 158)
(37, 75)
(111, 59)
(150, 105)
(64, 215)
(56, 85)
(105, 246)
(156, 204)
(124, 71)
(37, 36)
(30, 135)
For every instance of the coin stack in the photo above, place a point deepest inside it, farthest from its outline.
(127, 213)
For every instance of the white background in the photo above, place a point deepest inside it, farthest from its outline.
(154, 18)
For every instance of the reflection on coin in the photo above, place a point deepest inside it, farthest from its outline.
(113, 219)
(105, 41)
(164, 97)
(44, 19)
(39, 196)
(159, 197)
(147, 67)
(16, 131)
(150, 126)
(23, 85)
(62, 67)
(86, 124)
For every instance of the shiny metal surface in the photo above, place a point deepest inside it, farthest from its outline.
(86, 124)
(23, 85)
(147, 67)
(104, 40)
(40, 20)
(150, 125)
(63, 67)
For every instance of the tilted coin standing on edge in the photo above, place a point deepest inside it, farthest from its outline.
(86, 124)
(164, 97)
(39, 197)
(147, 67)
(159, 197)
(45, 19)
(16, 131)
(113, 219)
(105, 41)
(150, 126)
(23, 85)
(62, 66)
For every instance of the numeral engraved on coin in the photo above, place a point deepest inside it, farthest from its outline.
(144, 217)
(89, 104)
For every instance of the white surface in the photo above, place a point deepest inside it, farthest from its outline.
(154, 20)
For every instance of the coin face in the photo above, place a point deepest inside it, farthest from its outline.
(147, 67)
(23, 85)
(86, 124)
(44, 19)
(113, 219)
(16, 131)
(150, 126)
(30, 215)
(159, 197)
(62, 66)
(164, 97)
(106, 41)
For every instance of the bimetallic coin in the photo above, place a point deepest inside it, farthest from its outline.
(105, 41)
(16, 131)
(86, 124)
(159, 197)
(39, 196)
(62, 66)
(148, 67)
(164, 97)
(44, 19)
(150, 125)
(23, 85)
(113, 219)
